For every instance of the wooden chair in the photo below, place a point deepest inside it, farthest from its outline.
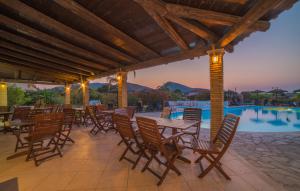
(127, 111)
(87, 120)
(166, 113)
(129, 137)
(155, 144)
(64, 135)
(99, 121)
(22, 114)
(194, 131)
(214, 151)
(47, 127)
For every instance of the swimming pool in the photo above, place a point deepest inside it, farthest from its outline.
(258, 118)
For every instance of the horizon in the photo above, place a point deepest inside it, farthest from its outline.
(270, 54)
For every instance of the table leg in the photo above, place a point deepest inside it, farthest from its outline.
(180, 157)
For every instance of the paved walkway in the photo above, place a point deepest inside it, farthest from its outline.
(92, 164)
(275, 154)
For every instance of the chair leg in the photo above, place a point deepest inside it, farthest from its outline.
(137, 160)
(148, 162)
(124, 153)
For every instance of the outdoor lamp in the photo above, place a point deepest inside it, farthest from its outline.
(82, 85)
(118, 76)
(215, 59)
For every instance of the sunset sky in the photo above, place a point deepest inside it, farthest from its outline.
(262, 61)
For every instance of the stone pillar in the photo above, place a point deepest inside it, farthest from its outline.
(216, 90)
(3, 94)
(122, 89)
(67, 94)
(85, 93)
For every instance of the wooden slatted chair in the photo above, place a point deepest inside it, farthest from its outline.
(166, 114)
(99, 121)
(22, 114)
(64, 136)
(154, 144)
(129, 137)
(214, 151)
(194, 131)
(47, 127)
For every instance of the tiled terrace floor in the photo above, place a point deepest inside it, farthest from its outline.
(92, 164)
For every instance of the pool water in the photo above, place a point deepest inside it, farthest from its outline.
(258, 118)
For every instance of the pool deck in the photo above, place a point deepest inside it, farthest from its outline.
(92, 164)
(277, 155)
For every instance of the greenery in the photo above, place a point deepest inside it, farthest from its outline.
(151, 99)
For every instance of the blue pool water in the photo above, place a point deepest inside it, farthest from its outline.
(258, 118)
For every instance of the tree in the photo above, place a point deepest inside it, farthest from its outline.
(15, 96)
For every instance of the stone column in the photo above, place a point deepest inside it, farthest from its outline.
(122, 89)
(216, 90)
(85, 93)
(67, 94)
(3, 95)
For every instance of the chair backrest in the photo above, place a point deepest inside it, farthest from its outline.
(166, 113)
(128, 111)
(227, 131)
(33, 113)
(69, 116)
(131, 111)
(47, 125)
(21, 113)
(123, 125)
(192, 114)
(149, 132)
(91, 113)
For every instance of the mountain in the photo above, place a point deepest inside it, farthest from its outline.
(172, 86)
(130, 86)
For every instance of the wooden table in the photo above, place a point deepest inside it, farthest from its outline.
(175, 125)
(5, 118)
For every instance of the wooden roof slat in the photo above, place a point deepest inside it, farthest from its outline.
(207, 16)
(31, 71)
(37, 69)
(44, 63)
(44, 56)
(55, 42)
(123, 40)
(78, 61)
(37, 17)
(254, 14)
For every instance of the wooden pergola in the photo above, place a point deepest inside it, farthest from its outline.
(66, 41)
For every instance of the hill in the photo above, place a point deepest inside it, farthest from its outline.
(172, 86)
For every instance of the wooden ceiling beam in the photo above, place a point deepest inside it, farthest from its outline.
(125, 42)
(43, 56)
(55, 42)
(212, 17)
(252, 16)
(34, 16)
(28, 81)
(183, 55)
(169, 30)
(159, 7)
(78, 61)
(37, 67)
(41, 62)
(5, 63)
(200, 31)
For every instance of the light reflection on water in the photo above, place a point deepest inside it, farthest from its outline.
(259, 118)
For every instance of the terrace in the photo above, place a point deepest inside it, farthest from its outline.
(69, 42)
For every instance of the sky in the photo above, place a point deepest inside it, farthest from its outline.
(261, 61)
